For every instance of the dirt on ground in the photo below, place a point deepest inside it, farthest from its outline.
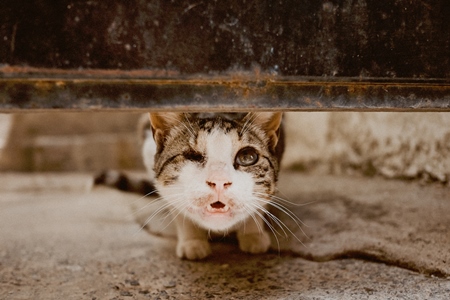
(62, 239)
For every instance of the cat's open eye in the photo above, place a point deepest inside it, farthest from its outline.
(246, 157)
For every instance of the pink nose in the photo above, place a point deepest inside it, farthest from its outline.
(218, 185)
(218, 177)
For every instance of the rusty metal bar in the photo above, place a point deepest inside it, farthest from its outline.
(302, 55)
(132, 91)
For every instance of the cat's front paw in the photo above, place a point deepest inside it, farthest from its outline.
(193, 249)
(254, 243)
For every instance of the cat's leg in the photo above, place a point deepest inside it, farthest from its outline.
(252, 237)
(192, 240)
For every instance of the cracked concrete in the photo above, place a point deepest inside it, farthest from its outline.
(61, 239)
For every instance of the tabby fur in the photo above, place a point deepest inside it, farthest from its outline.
(216, 173)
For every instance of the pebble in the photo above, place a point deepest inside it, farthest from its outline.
(132, 282)
(170, 284)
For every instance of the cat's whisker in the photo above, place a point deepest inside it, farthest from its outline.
(290, 214)
(188, 129)
(277, 198)
(246, 124)
(249, 122)
(190, 125)
(280, 206)
(146, 195)
(270, 226)
(147, 205)
(169, 212)
(167, 215)
(180, 210)
(286, 211)
(291, 202)
(164, 207)
(150, 194)
(171, 207)
(177, 120)
(282, 225)
(274, 217)
(265, 211)
(182, 123)
(252, 213)
(155, 213)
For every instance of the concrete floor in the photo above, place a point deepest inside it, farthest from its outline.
(61, 239)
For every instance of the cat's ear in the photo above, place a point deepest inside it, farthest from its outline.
(270, 122)
(161, 124)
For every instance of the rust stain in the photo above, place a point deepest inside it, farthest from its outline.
(9, 71)
(105, 89)
(44, 86)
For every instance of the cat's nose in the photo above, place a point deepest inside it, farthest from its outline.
(218, 184)
(219, 177)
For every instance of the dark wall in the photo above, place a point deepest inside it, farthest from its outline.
(368, 38)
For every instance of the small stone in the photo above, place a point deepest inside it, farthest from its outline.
(126, 294)
(132, 282)
(170, 284)
(275, 287)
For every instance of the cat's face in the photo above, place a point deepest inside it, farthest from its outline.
(217, 172)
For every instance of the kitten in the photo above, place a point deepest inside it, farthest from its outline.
(217, 173)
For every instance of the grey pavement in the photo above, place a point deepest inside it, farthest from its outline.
(60, 238)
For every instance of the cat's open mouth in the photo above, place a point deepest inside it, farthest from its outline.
(217, 207)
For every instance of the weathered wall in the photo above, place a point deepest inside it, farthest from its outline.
(395, 145)
(71, 142)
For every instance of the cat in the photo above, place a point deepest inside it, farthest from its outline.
(216, 172)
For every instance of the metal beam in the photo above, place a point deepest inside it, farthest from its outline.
(132, 91)
(302, 55)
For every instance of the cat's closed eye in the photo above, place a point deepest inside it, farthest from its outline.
(194, 156)
(246, 157)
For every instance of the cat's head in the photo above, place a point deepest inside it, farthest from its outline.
(216, 170)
